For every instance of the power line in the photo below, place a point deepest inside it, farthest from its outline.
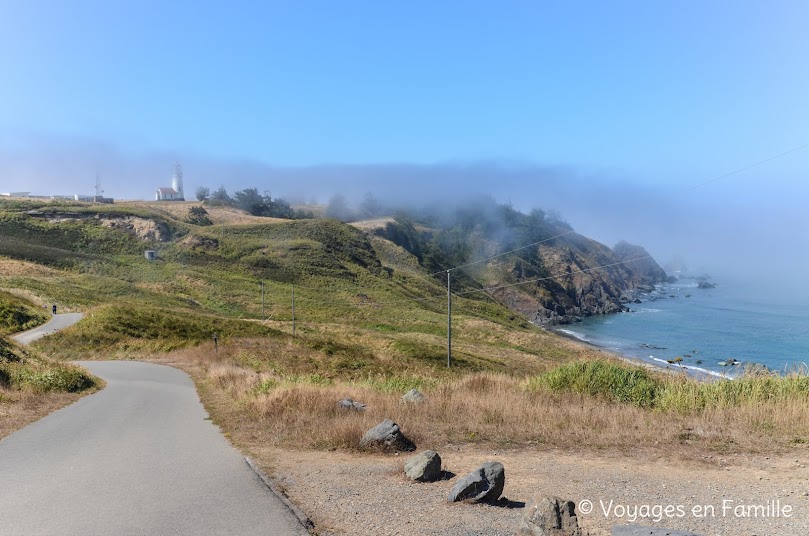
(502, 254)
(561, 274)
(485, 289)
(726, 175)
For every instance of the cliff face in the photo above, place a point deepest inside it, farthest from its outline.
(584, 278)
(562, 278)
(645, 268)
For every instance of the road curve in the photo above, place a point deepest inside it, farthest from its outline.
(138, 458)
(56, 323)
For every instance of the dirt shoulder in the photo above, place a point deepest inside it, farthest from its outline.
(360, 494)
(18, 409)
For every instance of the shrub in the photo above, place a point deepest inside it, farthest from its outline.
(612, 381)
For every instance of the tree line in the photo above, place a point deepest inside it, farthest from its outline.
(251, 201)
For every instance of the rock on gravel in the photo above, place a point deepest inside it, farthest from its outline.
(387, 436)
(424, 467)
(484, 484)
(550, 517)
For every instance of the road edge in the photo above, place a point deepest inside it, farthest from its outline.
(16, 337)
(306, 523)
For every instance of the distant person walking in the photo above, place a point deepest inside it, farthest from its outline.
(54, 308)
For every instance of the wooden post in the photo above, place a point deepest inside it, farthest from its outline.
(449, 322)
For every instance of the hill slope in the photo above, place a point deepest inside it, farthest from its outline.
(369, 283)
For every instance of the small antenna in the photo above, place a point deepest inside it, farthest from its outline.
(99, 190)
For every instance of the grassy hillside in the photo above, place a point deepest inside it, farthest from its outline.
(350, 286)
(18, 314)
(370, 322)
(25, 370)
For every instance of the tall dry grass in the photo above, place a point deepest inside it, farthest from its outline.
(494, 410)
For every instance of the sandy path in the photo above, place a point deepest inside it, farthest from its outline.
(366, 495)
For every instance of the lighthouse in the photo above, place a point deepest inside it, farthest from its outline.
(177, 182)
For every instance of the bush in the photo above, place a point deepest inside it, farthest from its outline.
(612, 381)
(198, 216)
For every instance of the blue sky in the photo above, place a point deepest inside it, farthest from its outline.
(643, 97)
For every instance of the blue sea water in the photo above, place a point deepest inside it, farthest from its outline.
(705, 327)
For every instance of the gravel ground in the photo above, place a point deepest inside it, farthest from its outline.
(360, 494)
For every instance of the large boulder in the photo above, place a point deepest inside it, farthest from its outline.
(484, 484)
(351, 405)
(424, 467)
(413, 396)
(550, 517)
(388, 437)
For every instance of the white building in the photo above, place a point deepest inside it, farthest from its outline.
(175, 193)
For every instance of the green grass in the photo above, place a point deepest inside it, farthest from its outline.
(24, 370)
(627, 384)
(17, 314)
(126, 331)
(611, 381)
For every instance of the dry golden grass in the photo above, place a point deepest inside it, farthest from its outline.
(14, 268)
(492, 410)
(20, 408)
(372, 225)
(218, 215)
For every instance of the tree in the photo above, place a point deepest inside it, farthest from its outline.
(370, 206)
(202, 192)
(338, 208)
(222, 195)
(198, 216)
(250, 201)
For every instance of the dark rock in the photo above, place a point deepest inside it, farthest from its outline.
(484, 484)
(424, 467)
(550, 517)
(636, 300)
(388, 437)
(352, 405)
(706, 284)
(628, 530)
(413, 396)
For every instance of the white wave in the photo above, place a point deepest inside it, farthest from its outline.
(575, 334)
(689, 368)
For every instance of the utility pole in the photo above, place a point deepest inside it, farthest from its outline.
(449, 322)
(293, 309)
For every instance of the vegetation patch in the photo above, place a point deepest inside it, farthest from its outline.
(640, 387)
(125, 331)
(24, 370)
(605, 379)
(17, 314)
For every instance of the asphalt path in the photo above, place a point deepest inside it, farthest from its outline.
(56, 323)
(137, 458)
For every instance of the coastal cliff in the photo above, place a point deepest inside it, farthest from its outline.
(585, 278)
(534, 264)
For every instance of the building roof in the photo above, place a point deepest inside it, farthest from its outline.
(166, 190)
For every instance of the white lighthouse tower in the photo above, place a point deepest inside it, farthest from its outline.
(177, 182)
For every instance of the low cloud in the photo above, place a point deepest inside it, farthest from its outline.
(751, 230)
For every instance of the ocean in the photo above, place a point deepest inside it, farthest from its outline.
(705, 327)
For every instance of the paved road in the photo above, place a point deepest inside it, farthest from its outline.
(56, 323)
(137, 458)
